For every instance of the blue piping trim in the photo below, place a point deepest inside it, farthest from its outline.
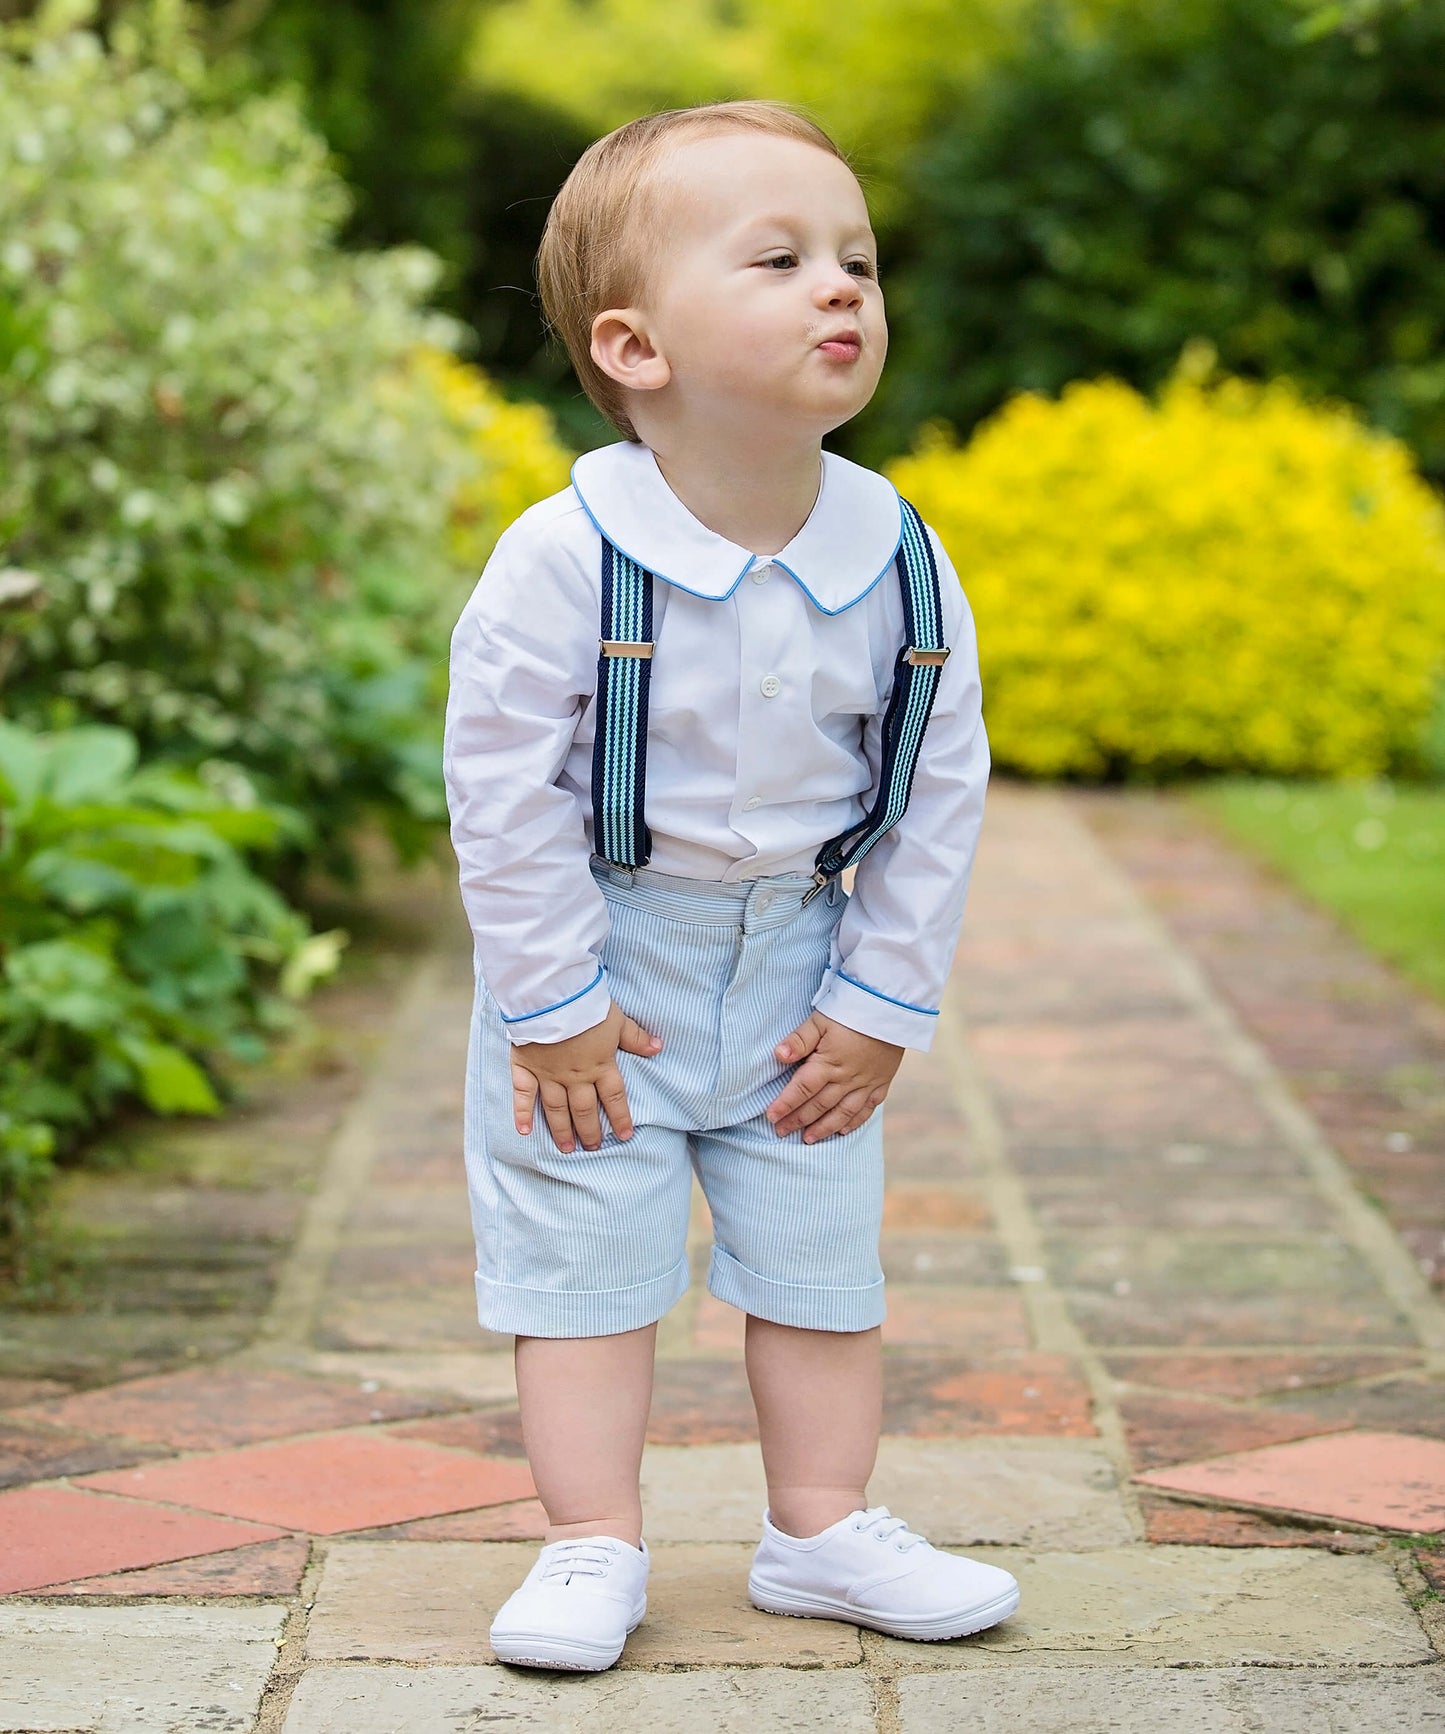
(522, 1017)
(711, 596)
(922, 1010)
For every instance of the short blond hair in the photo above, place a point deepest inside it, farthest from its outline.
(602, 228)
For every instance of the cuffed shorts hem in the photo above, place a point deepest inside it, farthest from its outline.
(802, 1304)
(544, 1312)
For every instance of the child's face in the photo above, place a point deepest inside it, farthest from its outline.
(768, 254)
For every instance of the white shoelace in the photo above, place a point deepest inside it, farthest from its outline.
(587, 1556)
(888, 1528)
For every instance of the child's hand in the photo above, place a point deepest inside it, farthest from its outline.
(843, 1078)
(574, 1077)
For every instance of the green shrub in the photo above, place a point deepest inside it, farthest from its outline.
(221, 457)
(137, 943)
(1184, 169)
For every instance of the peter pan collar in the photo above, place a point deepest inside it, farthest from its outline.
(848, 543)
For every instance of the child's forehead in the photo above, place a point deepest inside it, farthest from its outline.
(747, 179)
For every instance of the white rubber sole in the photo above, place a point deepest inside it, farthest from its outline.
(551, 1650)
(926, 1630)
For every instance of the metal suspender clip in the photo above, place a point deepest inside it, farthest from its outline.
(820, 879)
(625, 647)
(929, 658)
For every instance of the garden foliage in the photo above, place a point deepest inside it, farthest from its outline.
(1187, 169)
(1229, 579)
(244, 491)
(137, 943)
(219, 460)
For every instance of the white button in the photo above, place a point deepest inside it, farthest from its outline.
(761, 574)
(770, 686)
(751, 802)
(764, 902)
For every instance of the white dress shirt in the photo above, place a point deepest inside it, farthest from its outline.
(769, 682)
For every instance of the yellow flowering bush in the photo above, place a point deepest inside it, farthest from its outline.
(1230, 578)
(518, 458)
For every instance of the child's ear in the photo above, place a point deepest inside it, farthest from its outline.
(622, 347)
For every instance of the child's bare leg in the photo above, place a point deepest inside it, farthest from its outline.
(819, 1397)
(584, 1403)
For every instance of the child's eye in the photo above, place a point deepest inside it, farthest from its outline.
(864, 266)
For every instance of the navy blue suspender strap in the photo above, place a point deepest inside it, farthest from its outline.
(624, 665)
(619, 753)
(916, 674)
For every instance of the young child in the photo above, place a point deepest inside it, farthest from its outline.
(687, 692)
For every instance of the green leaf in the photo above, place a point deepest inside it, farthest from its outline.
(88, 764)
(67, 983)
(22, 763)
(170, 1081)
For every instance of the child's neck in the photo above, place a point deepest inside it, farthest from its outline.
(757, 498)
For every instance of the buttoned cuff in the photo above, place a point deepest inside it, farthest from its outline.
(568, 1017)
(874, 1013)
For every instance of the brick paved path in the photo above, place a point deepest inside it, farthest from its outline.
(1164, 1197)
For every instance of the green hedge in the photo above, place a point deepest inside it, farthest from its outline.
(1186, 169)
(219, 461)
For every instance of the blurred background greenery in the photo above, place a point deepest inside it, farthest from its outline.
(1166, 288)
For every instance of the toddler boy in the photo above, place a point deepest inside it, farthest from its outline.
(689, 690)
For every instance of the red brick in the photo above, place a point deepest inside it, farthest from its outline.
(329, 1483)
(524, 1521)
(1212, 1526)
(266, 1568)
(43, 1454)
(207, 1407)
(1247, 1375)
(488, 1432)
(933, 1207)
(1387, 1480)
(1177, 1429)
(51, 1535)
(975, 1322)
(1034, 1395)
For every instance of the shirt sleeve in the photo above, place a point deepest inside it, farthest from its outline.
(894, 945)
(523, 666)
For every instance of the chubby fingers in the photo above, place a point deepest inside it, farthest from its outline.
(612, 1093)
(558, 1112)
(845, 1115)
(801, 1042)
(633, 1039)
(524, 1098)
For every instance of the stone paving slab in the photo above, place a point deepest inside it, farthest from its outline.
(430, 1602)
(1190, 1607)
(1034, 1492)
(1178, 1291)
(483, 1374)
(1363, 1050)
(1175, 1701)
(381, 1700)
(139, 1670)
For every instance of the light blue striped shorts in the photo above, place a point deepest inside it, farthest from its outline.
(594, 1242)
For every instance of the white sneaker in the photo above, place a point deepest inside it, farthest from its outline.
(576, 1606)
(871, 1569)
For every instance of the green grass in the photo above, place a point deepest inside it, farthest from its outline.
(1372, 853)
